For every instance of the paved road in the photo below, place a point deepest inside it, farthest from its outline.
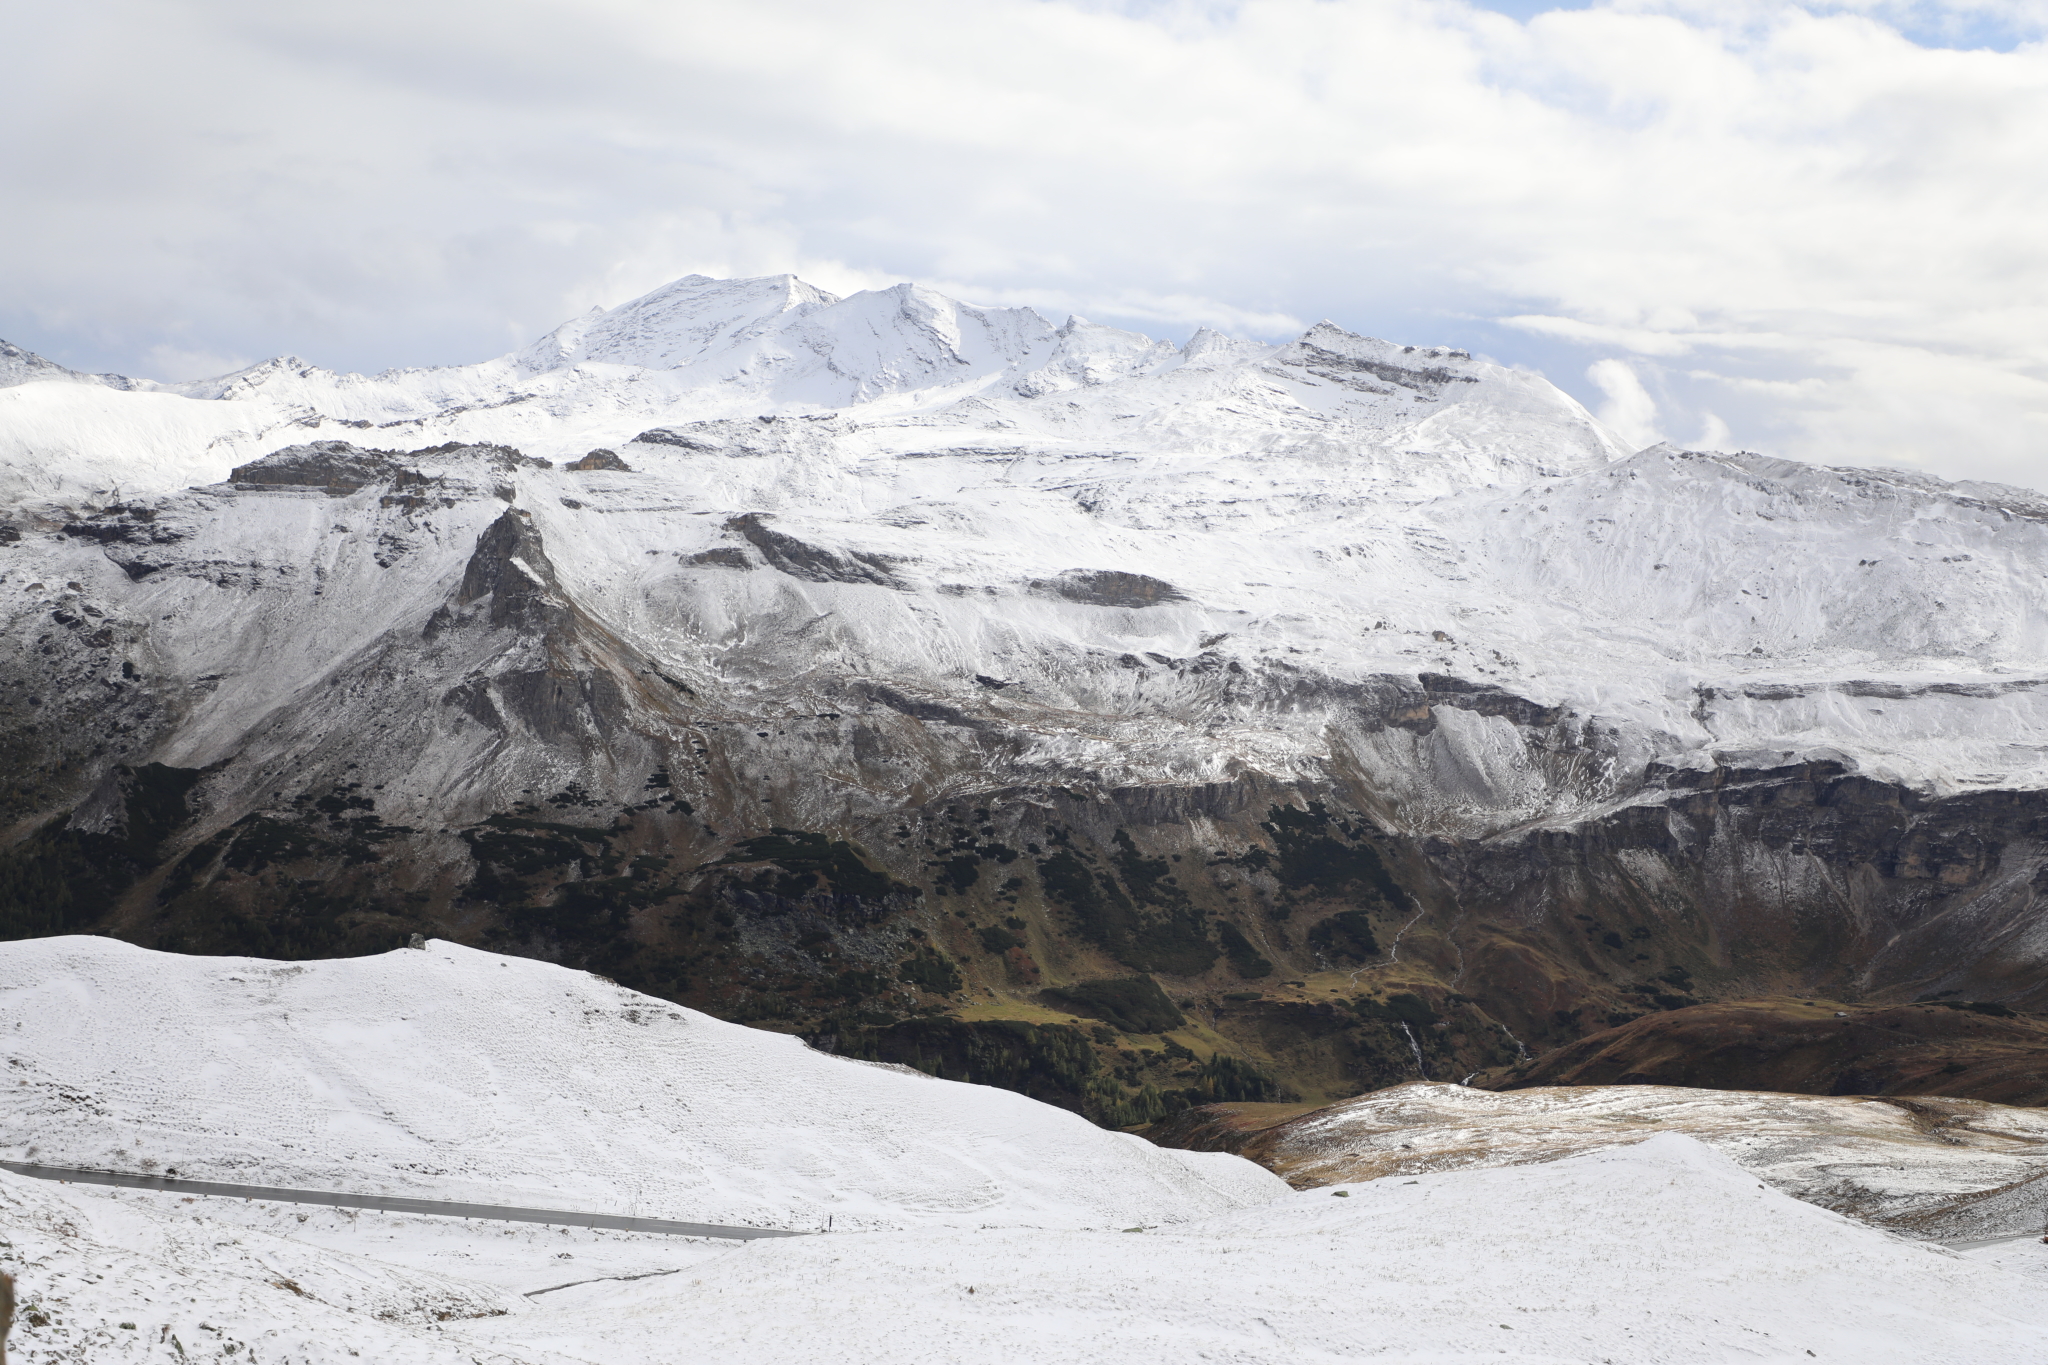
(1995, 1241)
(437, 1207)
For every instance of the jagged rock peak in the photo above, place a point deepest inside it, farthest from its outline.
(511, 567)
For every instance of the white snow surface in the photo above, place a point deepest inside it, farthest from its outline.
(1661, 1253)
(101, 1280)
(455, 1074)
(998, 1230)
(1327, 513)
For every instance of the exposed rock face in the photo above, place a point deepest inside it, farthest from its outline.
(1978, 1049)
(336, 467)
(799, 559)
(1109, 588)
(512, 569)
(1373, 366)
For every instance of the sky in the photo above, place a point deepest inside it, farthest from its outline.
(1813, 230)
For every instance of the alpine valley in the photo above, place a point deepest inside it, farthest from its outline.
(1127, 724)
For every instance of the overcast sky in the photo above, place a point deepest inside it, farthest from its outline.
(1813, 230)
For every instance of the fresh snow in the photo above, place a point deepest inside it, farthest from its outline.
(1331, 511)
(455, 1074)
(1661, 1252)
(997, 1229)
(71, 440)
(102, 1280)
(1929, 1167)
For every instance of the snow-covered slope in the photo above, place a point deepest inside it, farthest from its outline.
(1660, 1252)
(453, 1074)
(1663, 1252)
(701, 348)
(1927, 1167)
(26, 367)
(67, 441)
(102, 1281)
(995, 1228)
(1338, 507)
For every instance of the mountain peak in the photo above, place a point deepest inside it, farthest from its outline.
(677, 325)
(19, 366)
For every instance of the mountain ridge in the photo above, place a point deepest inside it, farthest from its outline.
(884, 662)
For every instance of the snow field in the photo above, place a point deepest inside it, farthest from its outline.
(971, 1224)
(456, 1074)
(101, 1281)
(518, 1258)
(1659, 1254)
(67, 440)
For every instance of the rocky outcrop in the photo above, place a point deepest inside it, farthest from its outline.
(1108, 588)
(812, 563)
(339, 468)
(511, 567)
(335, 467)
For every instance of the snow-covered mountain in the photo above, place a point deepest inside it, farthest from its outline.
(839, 661)
(26, 367)
(895, 360)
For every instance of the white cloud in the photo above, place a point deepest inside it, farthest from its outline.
(1835, 229)
(177, 363)
(1629, 409)
(1640, 340)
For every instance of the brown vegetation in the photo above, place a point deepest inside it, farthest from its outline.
(1956, 1049)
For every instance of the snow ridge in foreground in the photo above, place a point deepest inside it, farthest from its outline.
(1662, 1252)
(457, 1074)
(1000, 1229)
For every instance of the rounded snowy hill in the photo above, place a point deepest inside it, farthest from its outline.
(454, 1074)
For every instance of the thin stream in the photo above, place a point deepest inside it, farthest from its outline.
(1417, 1049)
(1513, 1039)
(1394, 946)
